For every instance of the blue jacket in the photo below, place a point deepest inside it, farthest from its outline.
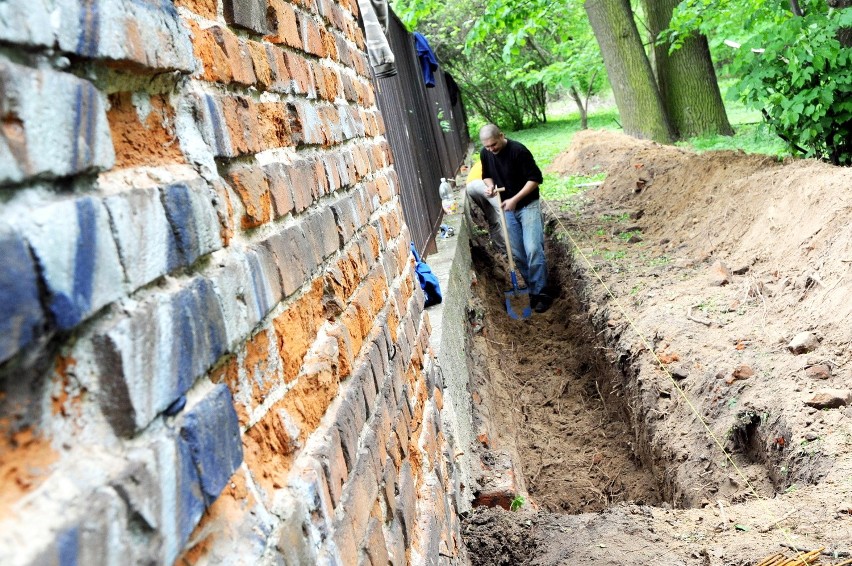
(428, 61)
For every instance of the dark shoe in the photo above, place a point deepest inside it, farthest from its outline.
(541, 303)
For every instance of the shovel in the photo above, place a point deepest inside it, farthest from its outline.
(517, 300)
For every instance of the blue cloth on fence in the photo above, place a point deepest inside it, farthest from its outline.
(428, 280)
(428, 61)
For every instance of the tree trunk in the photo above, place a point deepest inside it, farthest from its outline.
(584, 116)
(844, 36)
(686, 78)
(636, 94)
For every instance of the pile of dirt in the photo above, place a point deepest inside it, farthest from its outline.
(714, 288)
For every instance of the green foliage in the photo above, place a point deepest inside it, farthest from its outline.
(793, 69)
(517, 503)
(510, 54)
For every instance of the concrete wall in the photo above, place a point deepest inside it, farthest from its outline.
(212, 346)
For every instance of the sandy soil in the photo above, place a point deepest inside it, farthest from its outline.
(669, 408)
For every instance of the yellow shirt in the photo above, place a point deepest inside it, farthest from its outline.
(475, 173)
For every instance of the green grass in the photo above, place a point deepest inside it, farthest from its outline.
(546, 141)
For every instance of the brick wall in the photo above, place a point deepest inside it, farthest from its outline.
(212, 346)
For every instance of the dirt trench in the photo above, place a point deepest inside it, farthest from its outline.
(719, 457)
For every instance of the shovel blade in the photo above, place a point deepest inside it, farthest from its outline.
(518, 303)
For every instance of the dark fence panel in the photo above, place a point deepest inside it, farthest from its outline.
(426, 132)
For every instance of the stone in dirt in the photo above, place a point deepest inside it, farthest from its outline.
(720, 274)
(818, 371)
(830, 399)
(740, 372)
(803, 343)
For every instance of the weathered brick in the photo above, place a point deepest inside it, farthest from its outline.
(291, 542)
(91, 534)
(301, 74)
(247, 286)
(212, 125)
(406, 501)
(73, 244)
(343, 536)
(263, 69)
(281, 81)
(311, 486)
(293, 256)
(269, 447)
(54, 124)
(143, 131)
(147, 34)
(395, 538)
(275, 124)
(237, 55)
(192, 215)
(374, 543)
(303, 182)
(311, 39)
(328, 452)
(212, 437)
(329, 45)
(152, 356)
(285, 24)
(347, 218)
(360, 493)
(314, 130)
(251, 186)
(247, 14)
(21, 317)
(146, 242)
(278, 179)
(205, 8)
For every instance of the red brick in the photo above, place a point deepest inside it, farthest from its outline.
(237, 54)
(331, 172)
(260, 61)
(259, 367)
(281, 83)
(204, 8)
(329, 45)
(268, 450)
(286, 23)
(279, 188)
(311, 40)
(150, 141)
(322, 186)
(301, 73)
(302, 181)
(213, 62)
(296, 329)
(253, 190)
(274, 125)
(314, 391)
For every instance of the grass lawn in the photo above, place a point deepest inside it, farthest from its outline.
(546, 141)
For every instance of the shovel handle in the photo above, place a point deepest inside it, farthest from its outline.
(497, 191)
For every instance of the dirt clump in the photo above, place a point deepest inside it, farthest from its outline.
(691, 277)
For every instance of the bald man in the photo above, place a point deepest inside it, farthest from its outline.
(509, 164)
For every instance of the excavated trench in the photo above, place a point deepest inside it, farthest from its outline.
(565, 421)
(551, 401)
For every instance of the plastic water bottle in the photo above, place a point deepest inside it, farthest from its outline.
(447, 201)
(444, 189)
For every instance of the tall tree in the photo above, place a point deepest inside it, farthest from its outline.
(636, 93)
(686, 77)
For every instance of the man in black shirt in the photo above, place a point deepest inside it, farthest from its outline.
(508, 163)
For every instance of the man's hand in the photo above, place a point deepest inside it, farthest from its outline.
(489, 191)
(510, 204)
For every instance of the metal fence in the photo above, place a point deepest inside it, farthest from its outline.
(427, 133)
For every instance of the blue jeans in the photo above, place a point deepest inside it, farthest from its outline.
(526, 235)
